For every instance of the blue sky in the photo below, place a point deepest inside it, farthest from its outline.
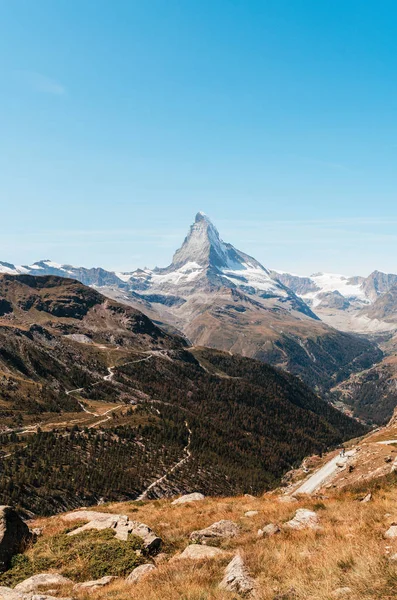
(120, 120)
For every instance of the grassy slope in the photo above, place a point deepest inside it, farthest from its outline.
(349, 550)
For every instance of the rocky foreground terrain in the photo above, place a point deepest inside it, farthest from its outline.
(337, 541)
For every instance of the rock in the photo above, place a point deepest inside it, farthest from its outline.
(35, 582)
(237, 579)
(197, 552)
(392, 531)
(219, 530)
(9, 594)
(14, 535)
(120, 523)
(251, 513)
(340, 592)
(140, 572)
(37, 531)
(388, 459)
(44, 597)
(91, 586)
(393, 557)
(269, 530)
(303, 519)
(151, 541)
(194, 497)
(367, 498)
(250, 496)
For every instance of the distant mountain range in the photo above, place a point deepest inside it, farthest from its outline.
(98, 402)
(218, 296)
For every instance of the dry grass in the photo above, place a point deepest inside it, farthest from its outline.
(349, 550)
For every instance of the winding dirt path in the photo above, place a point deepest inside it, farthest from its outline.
(183, 460)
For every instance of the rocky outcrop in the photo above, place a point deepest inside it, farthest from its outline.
(41, 580)
(187, 498)
(140, 572)
(14, 535)
(220, 529)
(120, 523)
(238, 580)
(197, 552)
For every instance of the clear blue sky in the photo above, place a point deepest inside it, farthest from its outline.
(119, 120)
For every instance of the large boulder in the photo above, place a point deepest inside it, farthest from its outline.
(197, 552)
(187, 498)
(14, 535)
(140, 572)
(220, 529)
(42, 580)
(238, 580)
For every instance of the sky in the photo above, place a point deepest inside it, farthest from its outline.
(119, 120)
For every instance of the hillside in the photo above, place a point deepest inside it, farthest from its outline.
(93, 388)
(218, 296)
(337, 544)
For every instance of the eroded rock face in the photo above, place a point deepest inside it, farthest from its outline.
(197, 552)
(220, 529)
(34, 583)
(140, 572)
(14, 535)
(303, 519)
(194, 497)
(237, 579)
(120, 523)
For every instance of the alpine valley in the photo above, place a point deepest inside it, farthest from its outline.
(213, 374)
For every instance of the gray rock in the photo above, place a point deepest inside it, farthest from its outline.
(197, 552)
(392, 531)
(237, 579)
(251, 513)
(269, 530)
(303, 519)
(194, 497)
(7, 593)
(43, 597)
(140, 572)
(14, 535)
(367, 498)
(220, 529)
(35, 582)
(120, 523)
(96, 584)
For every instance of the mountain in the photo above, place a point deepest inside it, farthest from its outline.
(216, 295)
(220, 297)
(96, 401)
(348, 303)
